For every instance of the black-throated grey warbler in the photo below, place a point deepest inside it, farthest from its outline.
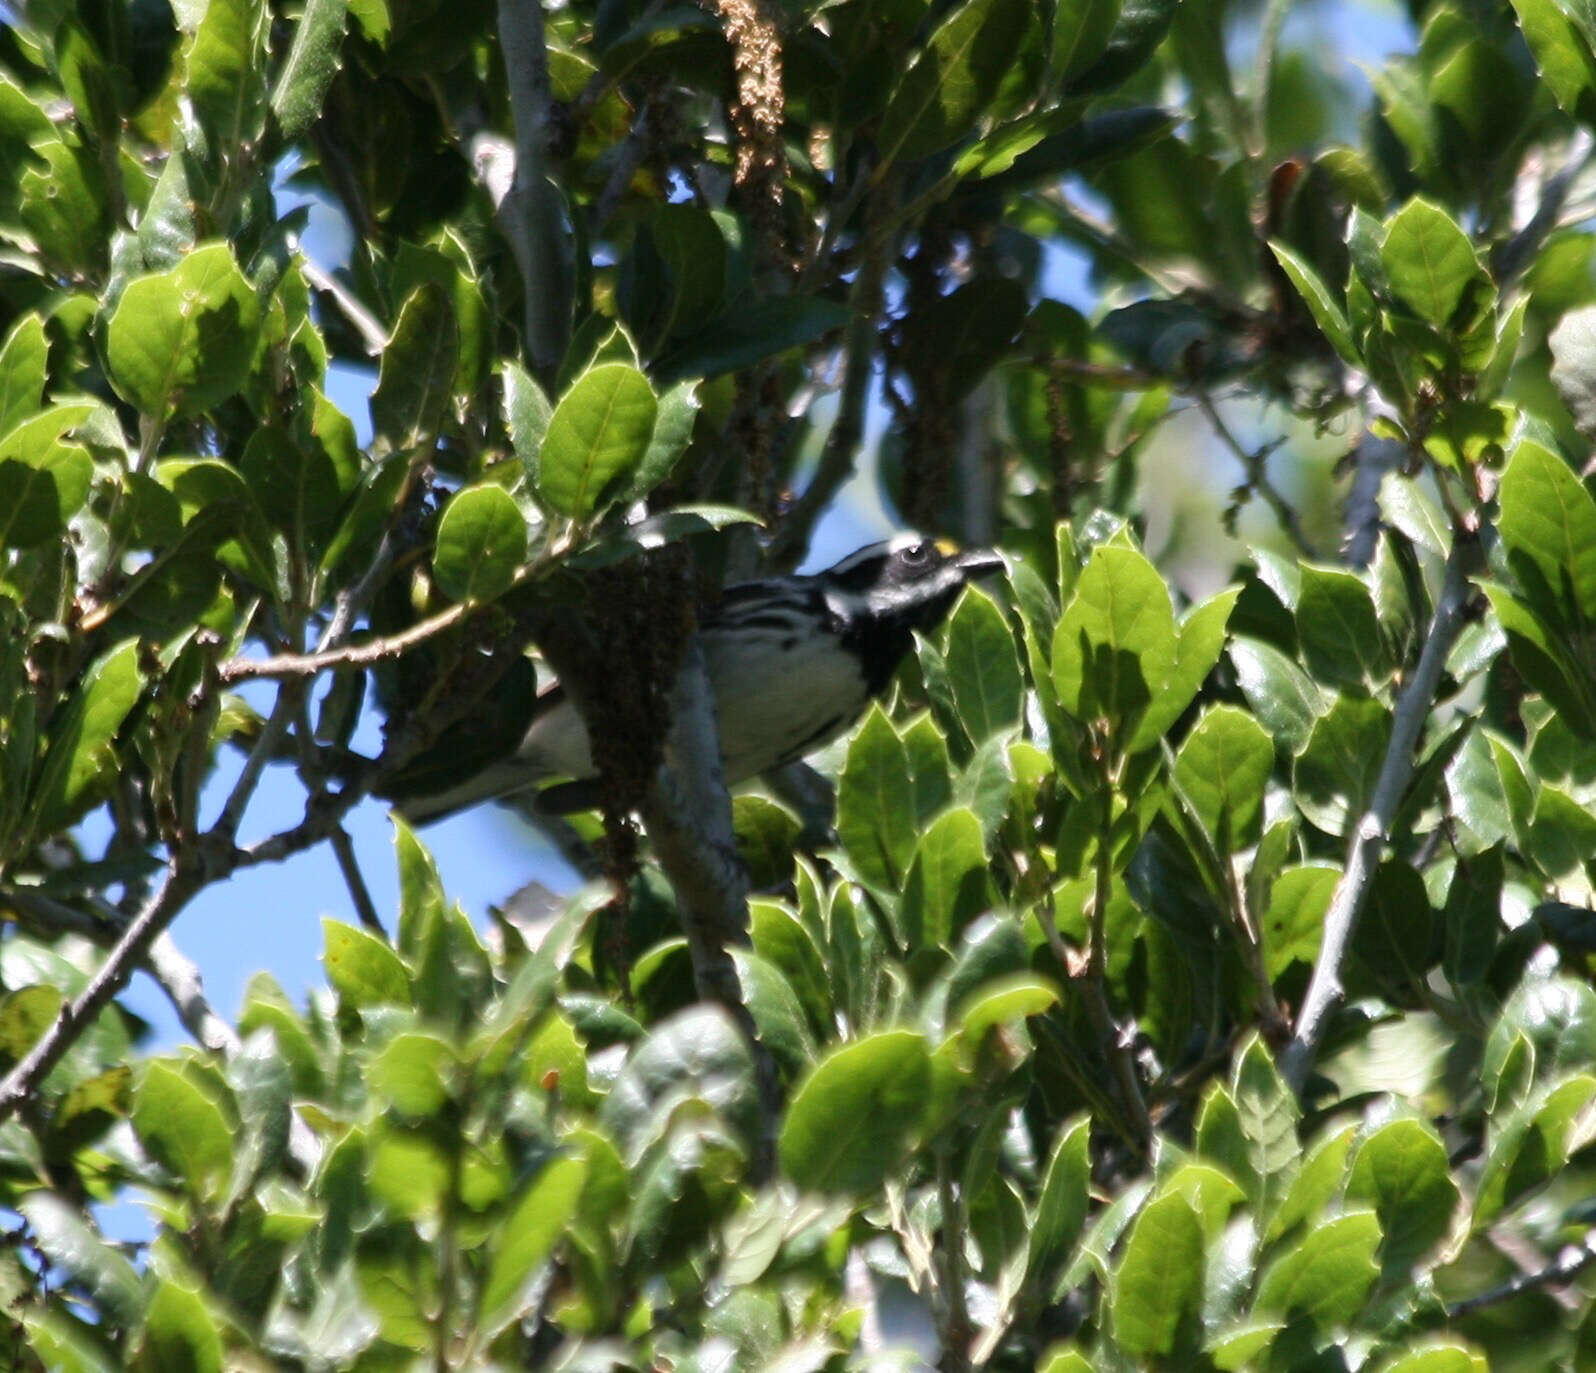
(792, 661)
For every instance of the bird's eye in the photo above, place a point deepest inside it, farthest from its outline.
(916, 554)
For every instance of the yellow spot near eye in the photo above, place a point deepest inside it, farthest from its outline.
(946, 547)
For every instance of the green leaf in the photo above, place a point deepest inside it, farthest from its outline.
(875, 809)
(1268, 1114)
(777, 1013)
(952, 80)
(1061, 1208)
(1318, 1181)
(947, 885)
(1080, 33)
(413, 1072)
(310, 66)
(1294, 921)
(983, 666)
(1327, 1274)
(25, 1015)
(1139, 30)
(1158, 1281)
(1326, 312)
(1223, 767)
(299, 479)
(1336, 772)
(673, 431)
(741, 337)
(182, 341)
(1562, 54)
(1286, 701)
(1338, 628)
(80, 767)
(1429, 261)
(1402, 1171)
(1540, 652)
(416, 375)
(986, 785)
(184, 1129)
(695, 1055)
(362, 968)
(527, 1239)
(692, 250)
(1115, 645)
(24, 359)
(527, 413)
(1440, 1358)
(44, 477)
(225, 74)
(481, 543)
(261, 1085)
(597, 435)
(180, 1330)
(783, 939)
(854, 1115)
(1573, 347)
(1548, 526)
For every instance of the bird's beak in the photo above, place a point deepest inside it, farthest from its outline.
(979, 562)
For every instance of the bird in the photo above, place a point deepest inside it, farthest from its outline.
(792, 663)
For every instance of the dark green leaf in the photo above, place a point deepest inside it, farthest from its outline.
(947, 884)
(418, 369)
(184, 1129)
(953, 80)
(310, 66)
(748, 334)
(527, 1239)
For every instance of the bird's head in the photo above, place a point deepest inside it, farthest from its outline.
(910, 581)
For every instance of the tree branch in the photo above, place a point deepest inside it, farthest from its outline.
(1373, 831)
(213, 856)
(532, 214)
(286, 666)
(687, 813)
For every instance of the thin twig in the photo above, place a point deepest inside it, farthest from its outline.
(1570, 1262)
(213, 856)
(344, 850)
(185, 875)
(288, 666)
(1520, 250)
(1373, 830)
(367, 325)
(262, 753)
(1254, 465)
(841, 451)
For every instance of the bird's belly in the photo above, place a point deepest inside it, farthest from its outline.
(789, 699)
